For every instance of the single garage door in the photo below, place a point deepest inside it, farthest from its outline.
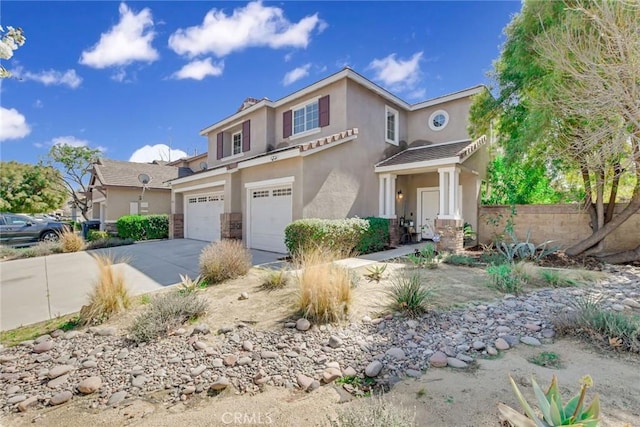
(270, 212)
(202, 216)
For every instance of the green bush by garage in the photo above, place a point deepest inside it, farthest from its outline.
(143, 227)
(364, 235)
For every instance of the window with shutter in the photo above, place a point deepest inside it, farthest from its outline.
(246, 136)
(323, 107)
(286, 124)
(219, 145)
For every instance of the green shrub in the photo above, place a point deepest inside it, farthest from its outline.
(143, 227)
(457, 259)
(376, 237)
(165, 312)
(93, 235)
(223, 260)
(341, 235)
(409, 295)
(505, 278)
(426, 257)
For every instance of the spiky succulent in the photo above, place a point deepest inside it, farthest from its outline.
(554, 413)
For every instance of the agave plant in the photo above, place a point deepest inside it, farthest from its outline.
(553, 411)
(375, 272)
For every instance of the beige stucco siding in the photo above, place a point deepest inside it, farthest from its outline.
(118, 200)
(337, 113)
(182, 190)
(258, 127)
(455, 130)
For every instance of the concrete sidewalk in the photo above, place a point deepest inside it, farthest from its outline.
(369, 259)
(41, 288)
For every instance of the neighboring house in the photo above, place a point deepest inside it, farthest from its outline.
(341, 147)
(119, 188)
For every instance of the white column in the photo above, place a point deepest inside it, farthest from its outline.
(392, 197)
(443, 191)
(454, 178)
(381, 196)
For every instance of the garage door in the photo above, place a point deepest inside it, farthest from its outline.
(202, 216)
(270, 213)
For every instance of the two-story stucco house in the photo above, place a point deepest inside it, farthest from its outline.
(341, 147)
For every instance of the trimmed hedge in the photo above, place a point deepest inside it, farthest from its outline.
(143, 227)
(376, 238)
(341, 235)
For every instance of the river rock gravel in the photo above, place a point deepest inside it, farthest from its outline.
(102, 363)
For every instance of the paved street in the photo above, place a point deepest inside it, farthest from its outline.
(37, 289)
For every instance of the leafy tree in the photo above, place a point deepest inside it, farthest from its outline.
(568, 81)
(75, 164)
(12, 40)
(30, 188)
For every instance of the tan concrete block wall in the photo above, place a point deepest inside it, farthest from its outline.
(566, 225)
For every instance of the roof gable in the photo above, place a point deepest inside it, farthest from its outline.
(125, 174)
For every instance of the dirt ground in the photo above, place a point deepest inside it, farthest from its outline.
(441, 397)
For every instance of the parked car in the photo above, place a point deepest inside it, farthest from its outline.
(20, 229)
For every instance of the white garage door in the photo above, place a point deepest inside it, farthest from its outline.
(202, 216)
(270, 212)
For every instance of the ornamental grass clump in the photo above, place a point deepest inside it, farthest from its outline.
(224, 260)
(324, 293)
(109, 295)
(408, 294)
(71, 242)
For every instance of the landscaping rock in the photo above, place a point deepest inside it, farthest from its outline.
(199, 345)
(42, 338)
(43, 346)
(329, 375)
(139, 381)
(268, 354)
(247, 345)
(230, 360)
(90, 385)
(106, 332)
(61, 398)
(530, 341)
(349, 372)
(16, 399)
(631, 303)
(243, 296)
(334, 341)
(456, 363)
(479, 345)
(413, 373)
(220, 384)
(396, 353)
(116, 398)
(71, 335)
(59, 370)
(303, 324)
(501, 344)
(27, 403)
(438, 360)
(201, 328)
(198, 370)
(373, 369)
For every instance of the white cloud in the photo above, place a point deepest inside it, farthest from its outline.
(199, 69)
(397, 74)
(51, 77)
(296, 74)
(252, 25)
(149, 153)
(71, 141)
(126, 42)
(13, 125)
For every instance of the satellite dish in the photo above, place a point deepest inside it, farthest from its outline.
(144, 178)
(203, 166)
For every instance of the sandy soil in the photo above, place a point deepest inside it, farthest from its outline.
(442, 397)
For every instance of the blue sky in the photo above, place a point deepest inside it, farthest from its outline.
(132, 77)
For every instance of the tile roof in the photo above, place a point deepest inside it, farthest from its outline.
(125, 174)
(425, 153)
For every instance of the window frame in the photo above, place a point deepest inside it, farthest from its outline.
(233, 143)
(434, 115)
(303, 107)
(396, 125)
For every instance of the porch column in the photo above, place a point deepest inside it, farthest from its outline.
(449, 179)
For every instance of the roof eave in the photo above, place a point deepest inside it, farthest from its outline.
(418, 165)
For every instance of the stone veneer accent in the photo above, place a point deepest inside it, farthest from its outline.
(176, 226)
(231, 225)
(451, 234)
(394, 232)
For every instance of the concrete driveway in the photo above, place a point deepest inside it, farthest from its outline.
(37, 289)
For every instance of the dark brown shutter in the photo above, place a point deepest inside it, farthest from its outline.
(246, 136)
(286, 124)
(323, 111)
(219, 145)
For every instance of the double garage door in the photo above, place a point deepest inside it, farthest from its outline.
(202, 216)
(269, 212)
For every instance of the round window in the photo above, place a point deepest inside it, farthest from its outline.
(438, 120)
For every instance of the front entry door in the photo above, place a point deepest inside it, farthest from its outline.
(428, 209)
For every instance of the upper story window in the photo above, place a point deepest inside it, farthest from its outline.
(305, 118)
(391, 125)
(438, 120)
(236, 143)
